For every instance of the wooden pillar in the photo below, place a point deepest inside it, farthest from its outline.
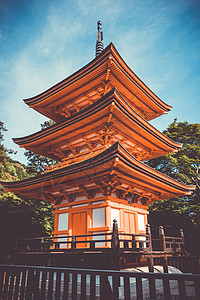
(150, 259)
(163, 248)
(183, 239)
(115, 244)
(115, 235)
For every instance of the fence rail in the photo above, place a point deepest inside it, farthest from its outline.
(24, 282)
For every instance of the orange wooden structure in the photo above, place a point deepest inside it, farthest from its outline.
(100, 139)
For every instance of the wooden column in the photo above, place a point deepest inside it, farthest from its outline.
(115, 244)
(183, 239)
(150, 259)
(163, 248)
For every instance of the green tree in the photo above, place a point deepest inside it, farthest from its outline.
(22, 217)
(19, 216)
(9, 169)
(37, 163)
(183, 212)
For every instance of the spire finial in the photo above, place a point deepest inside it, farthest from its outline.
(99, 43)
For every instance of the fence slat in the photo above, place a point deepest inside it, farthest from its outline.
(102, 287)
(2, 273)
(74, 286)
(92, 286)
(166, 287)
(66, 285)
(105, 289)
(58, 285)
(43, 285)
(6, 283)
(16, 292)
(139, 288)
(116, 282)
(152, 288)
(11, 285)
(126, 288)
(22, 284)
(29, 286)
(182, 291)
(50, 285)
(36, 278)
(83, 286)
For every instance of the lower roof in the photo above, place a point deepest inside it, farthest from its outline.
(115, 168)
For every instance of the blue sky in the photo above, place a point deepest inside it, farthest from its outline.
(43, 42)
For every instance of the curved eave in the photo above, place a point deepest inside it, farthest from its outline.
(90, 168)
(140, 84)
(113, 96)
(42, 99)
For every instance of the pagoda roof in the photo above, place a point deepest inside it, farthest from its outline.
(110, 119)
(88, 84)
(115, 168)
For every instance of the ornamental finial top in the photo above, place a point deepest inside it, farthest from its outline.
(99, 43)
(99, 25)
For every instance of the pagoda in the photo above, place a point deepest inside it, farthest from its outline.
(101, 138)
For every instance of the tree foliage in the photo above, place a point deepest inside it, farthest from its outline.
(37, 163)
(183, 212)
(9, 169)
(183, 164)
(19, 216)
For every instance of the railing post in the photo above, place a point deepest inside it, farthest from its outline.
(148, 232)
(115, 245)
(73, 242)
(115, 235)
(150, 260)
(41, 243)
(92, 244)
(183, 239)
(133, 242)
(163, 248)
(57, 245)
(162, 238)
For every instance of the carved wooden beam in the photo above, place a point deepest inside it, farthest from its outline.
(56, 151)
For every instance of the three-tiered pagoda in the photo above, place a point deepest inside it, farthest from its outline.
(101, 139)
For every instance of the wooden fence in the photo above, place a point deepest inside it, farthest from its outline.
(24, 282)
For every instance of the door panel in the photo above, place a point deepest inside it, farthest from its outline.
(79, 226)
(129, 225)
(129, 222)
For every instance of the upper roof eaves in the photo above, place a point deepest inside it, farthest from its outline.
(110, 50)
(62, 84)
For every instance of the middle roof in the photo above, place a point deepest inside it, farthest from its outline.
(110, 119)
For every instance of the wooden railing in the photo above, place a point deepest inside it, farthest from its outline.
(24, 282)
(111, 240)
(135, 242)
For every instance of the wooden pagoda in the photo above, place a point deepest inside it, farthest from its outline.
(101, 139)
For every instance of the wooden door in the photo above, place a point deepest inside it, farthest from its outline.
(129, 225)
(79, 227)
(129, 222)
